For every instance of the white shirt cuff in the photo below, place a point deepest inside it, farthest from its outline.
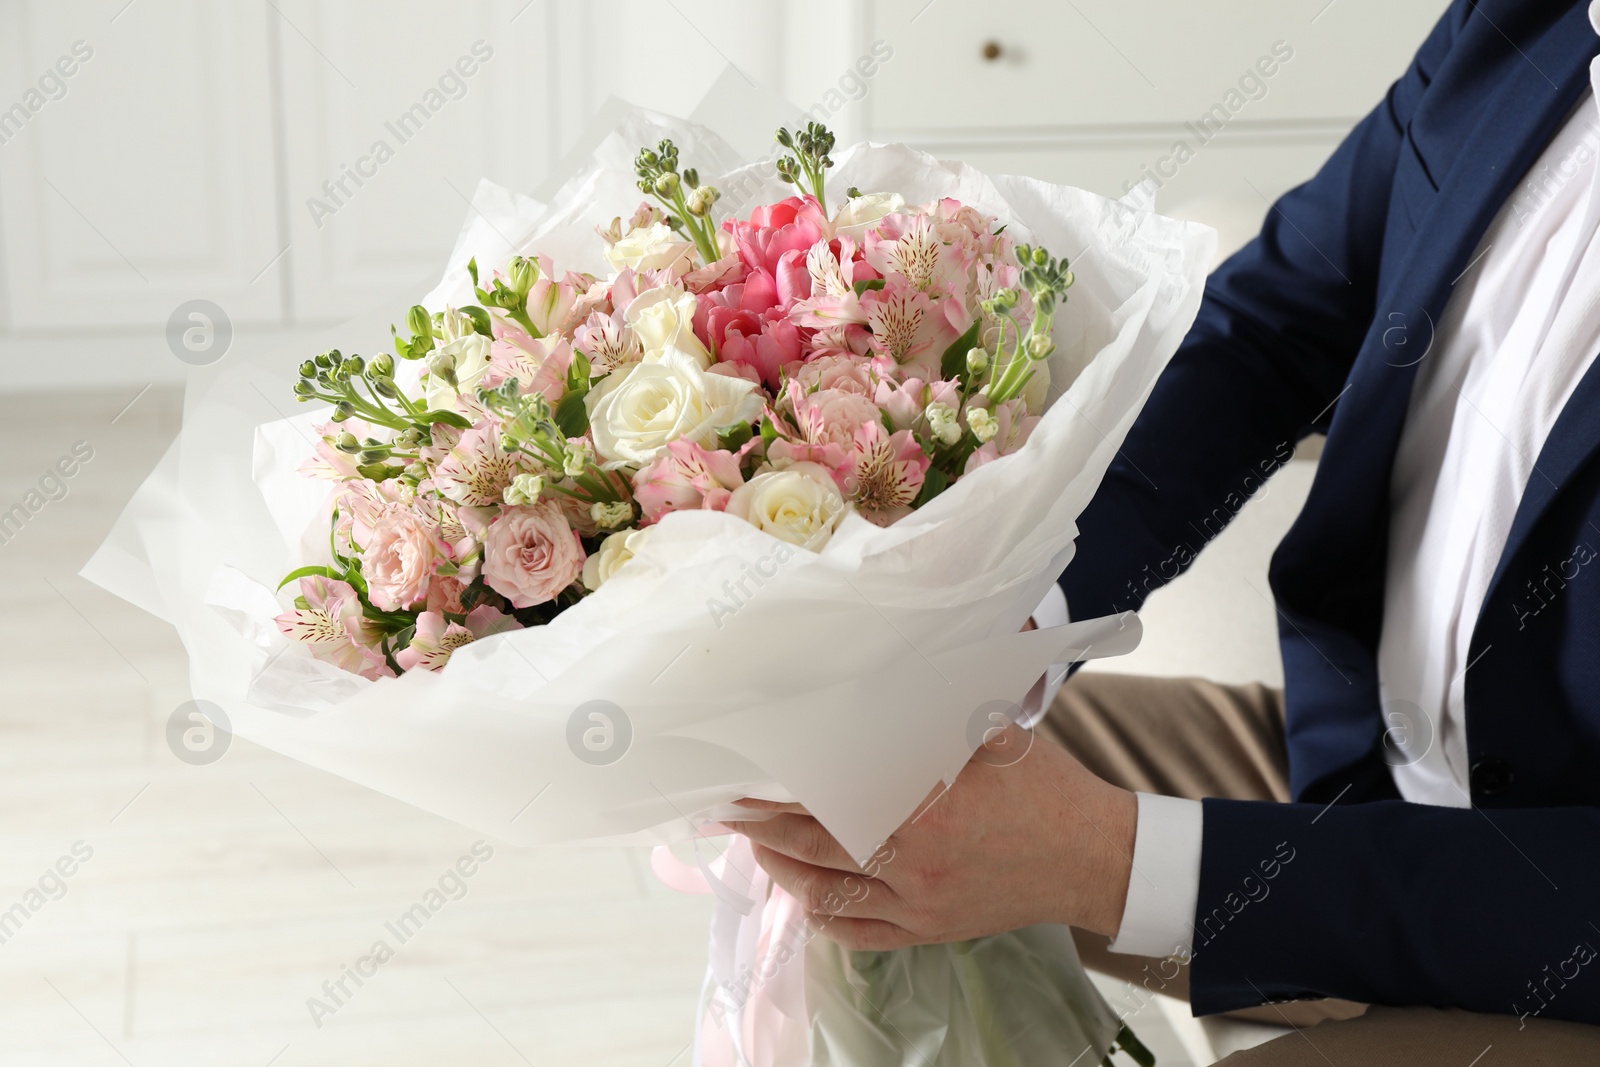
(1052, 611)
(1164, 885)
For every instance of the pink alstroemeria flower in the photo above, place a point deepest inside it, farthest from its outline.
(436, 638)
(539, 364)
(686, 477)
(885, 473)
(333, 628)
(476, 470)
(1015, 425)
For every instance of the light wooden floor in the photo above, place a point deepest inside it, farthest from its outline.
(218, 899)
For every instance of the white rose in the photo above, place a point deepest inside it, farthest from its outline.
(859, 213)
(799, 504)
(614, 551)
(470, 355)
(637, 410)
(663, 320)
(653, 247)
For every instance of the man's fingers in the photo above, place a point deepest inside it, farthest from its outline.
(864, 935)
(798, 836)
(824, 891)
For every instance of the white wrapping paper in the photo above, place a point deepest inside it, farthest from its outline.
(847, 680)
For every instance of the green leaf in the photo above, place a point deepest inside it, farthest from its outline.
(733, 437)
(933, 483)
(954, 362)
(307, 572)
(769, 432)
(472, 269)
(571, 415)
(866, 284)
(449, 418)
(480, 320)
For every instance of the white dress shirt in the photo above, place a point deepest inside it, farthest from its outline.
(1518, 332)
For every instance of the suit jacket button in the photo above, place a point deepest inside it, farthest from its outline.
(1491, 776)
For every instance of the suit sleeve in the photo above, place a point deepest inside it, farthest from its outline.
(1276, 335)
(1397, 903)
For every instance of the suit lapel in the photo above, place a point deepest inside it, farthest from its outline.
(1573, 439)
(1542, 82)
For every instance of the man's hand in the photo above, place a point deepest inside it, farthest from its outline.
(1010, 844)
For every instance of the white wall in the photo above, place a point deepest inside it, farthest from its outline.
(186, 154)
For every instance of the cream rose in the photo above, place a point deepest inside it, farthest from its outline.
(614, 551)
(799, 504)
(653, 247)
(858, 214)
(636, 411)
(663, 320)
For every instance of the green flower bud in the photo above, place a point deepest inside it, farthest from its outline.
(419, 322)
(346, 442)
(977, 361)
(667, 185)
(1039, 346)
(304, 389)
(308, 369)
(524, 272)
(382, 366)
(342, 411)
(353, 365)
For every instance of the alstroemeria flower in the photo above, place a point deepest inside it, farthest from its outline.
(607, 342)
(1013, 426)
(436, 638)
(476, 471)
(538, 363)
(333, 628)
(885, 474)
(684, 477)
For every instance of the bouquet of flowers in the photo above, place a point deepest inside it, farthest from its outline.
(637, 519)
(786, 368)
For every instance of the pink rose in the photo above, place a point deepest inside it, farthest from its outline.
(684, 477)
(843, 373)
(399, 560)
(530, 554)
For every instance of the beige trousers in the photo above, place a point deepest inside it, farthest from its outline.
(1187, 737)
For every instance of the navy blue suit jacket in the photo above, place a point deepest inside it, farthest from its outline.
(1319, 324)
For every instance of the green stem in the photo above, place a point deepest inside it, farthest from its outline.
(997, 1053)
